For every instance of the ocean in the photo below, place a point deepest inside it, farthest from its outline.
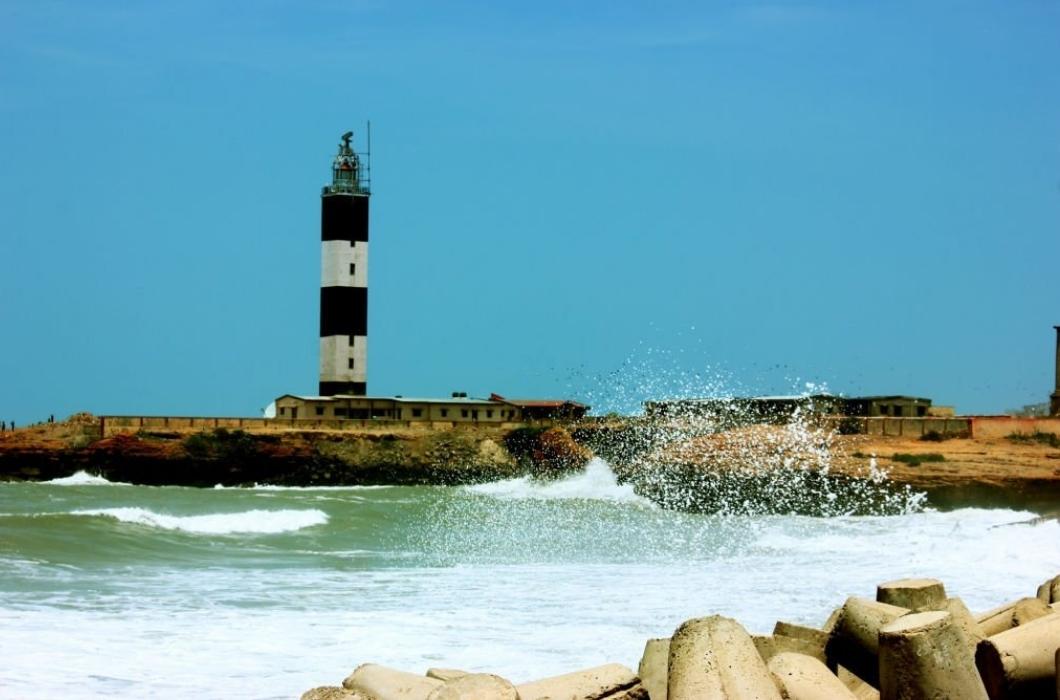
(118, 591)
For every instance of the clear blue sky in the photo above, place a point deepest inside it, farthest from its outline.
(599, 199)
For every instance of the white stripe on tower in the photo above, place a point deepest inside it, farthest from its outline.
(344, 277)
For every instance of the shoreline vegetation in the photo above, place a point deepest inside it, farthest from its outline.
(796, 468)
(910, 642)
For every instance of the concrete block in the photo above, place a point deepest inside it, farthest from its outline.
(1021, 662)
(770, 645)
(829, 625)
(855, 640)
(1012, 615)
(973, 633)
(802, 677)
(382, 683)
(860, 689)
(818, 638)
(916, 594)
(714, 657)
(610, 682)
(445, 674)
(654, 664)
(331, 692)
(1049, 592)
(475, 686)
(925, 656)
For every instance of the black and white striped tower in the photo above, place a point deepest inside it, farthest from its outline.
(344, 275)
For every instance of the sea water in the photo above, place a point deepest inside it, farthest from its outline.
(113, 590)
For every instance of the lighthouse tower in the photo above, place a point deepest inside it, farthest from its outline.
(344, 274)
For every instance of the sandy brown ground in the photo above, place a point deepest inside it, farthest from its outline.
(999, 462)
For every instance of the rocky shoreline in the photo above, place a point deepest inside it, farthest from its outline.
(776, 469)
(911, 642)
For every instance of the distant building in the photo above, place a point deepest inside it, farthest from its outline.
(459, 408)
(779, 409)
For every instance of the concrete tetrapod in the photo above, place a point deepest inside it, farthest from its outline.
(916, 594)
(654, 664)
(475, 686)
(802, 677)
(860, 689)
(714, 657)
(611, 681)
(855, 640)
(1049, 592)
(770, 645)
(1021, 662)
(924, 656)
(384, 683)
(1012, 615)
(818, 638)
(973, 634)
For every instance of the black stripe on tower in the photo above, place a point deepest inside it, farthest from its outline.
(344, 217)
(343, 311)
(333, 388)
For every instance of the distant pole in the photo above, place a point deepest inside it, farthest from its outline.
(1054, 399)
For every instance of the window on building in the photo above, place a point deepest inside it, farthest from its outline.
(921, 411)
(353, 269)
(283, 411)
(463, 413)
(489, 414)
(474, 414)
(350, 363)
(417, 413)
(445, 412)
(351, 340)
(340, 412)
(320, 410)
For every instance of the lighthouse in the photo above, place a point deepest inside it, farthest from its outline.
(344, 274)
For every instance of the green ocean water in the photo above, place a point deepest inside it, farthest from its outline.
(110, 590)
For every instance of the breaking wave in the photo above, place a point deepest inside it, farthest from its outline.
(83, 478)
(264, 522)
(597, 482)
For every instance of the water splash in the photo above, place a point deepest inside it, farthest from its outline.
(716, 464)
(725, 456)
(596, 482)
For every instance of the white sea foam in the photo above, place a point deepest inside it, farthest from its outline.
(249, 521)
(597, 483)
(83, 478)
(275, 487)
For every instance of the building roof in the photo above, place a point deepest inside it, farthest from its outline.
(397, 399)
(538, 403)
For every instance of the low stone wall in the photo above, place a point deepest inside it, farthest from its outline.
(992, 427)
(900, 427)
(118, 425)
